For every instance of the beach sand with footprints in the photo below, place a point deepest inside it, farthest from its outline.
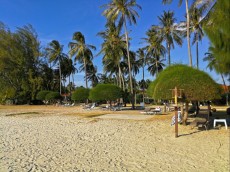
(49, 138)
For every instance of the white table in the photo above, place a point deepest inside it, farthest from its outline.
(220, 120)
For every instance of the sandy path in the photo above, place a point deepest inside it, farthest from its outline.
(69, 143)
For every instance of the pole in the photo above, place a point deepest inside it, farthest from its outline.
(176, 122)
(176, 114)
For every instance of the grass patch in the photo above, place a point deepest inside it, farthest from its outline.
(23, 113)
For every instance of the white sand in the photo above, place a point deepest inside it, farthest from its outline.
(69, 143)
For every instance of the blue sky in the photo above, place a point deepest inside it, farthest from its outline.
(59, 19)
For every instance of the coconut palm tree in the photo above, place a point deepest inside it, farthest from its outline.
(187, 26)
(92, 74)
(196, 29)
(123, 11)
(113, 49)
(156, 65)
(141, 54)
(55, 54)
(155, 51)
(68, 68)
(214, 64)
(81, 51)
(169, 32)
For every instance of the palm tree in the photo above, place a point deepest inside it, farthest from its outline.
(142, 60)
(92, 74)
(56, 55)
(156, 65)
(196, 28)
(214, 64)
(113, 49)
(187, 26)
(155, 51)
(68, 68)
(81, 51)
(168, 31)
(123, 11)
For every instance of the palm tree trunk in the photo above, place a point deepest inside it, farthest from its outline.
(156, 67)
(197, 55)
(188, 34)
(86, 82)
(169, 58)
(123, 82)
(143, 86)
(130, 72)
(60, 74)
(119, 68)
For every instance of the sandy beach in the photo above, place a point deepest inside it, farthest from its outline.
(57, 139)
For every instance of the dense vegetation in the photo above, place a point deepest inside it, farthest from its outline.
(106, 92)
(26, 68)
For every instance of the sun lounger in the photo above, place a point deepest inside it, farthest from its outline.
(152, 111)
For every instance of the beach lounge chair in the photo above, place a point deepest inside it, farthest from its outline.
(152, 111)
(90, 107)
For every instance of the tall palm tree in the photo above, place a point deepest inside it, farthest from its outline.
(156, 65)
(113, 49)
(123, 11)
(142, 60)
(68, 68)
(55, 54)
(187, 26)
(92, 73)
(155, 51)
(81, 51)
(214, 64)
(169, 32)
(196, 28)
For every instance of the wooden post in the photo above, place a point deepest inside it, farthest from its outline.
(176, 121)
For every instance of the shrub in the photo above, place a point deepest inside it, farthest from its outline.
(42, 95)
(196, 85)
(106, 92)
(53, 96)
(81, 94)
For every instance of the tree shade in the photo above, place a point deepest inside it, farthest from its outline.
(106, 92)
(196, 85)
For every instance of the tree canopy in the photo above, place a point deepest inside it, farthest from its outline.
(217, 29)
(106, 92)
(196, 85)
(81, 94)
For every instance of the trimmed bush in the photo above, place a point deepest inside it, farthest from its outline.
(42, 95)
(53, 96)
(106, 92)
(81, 94)
(197, 85)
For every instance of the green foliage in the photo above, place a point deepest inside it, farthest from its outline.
(106, 92)
(217, 29)
(196, 85)
(19, 71)
(53, 96)
(81, 94)
(41, 95)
